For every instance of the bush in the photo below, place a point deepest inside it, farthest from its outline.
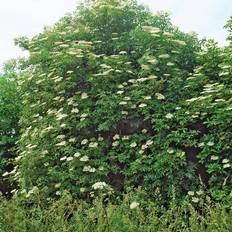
(116, 97)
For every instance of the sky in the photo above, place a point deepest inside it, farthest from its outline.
(28, 17)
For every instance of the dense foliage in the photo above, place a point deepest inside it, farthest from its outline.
(9, 117)
(115, 97)
(68, 215)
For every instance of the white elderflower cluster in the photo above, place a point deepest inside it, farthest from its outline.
(84, 158)
(134, 205)
(169, 116)
(99, 185)
(89, 169)
(134, 144)
(160, 96)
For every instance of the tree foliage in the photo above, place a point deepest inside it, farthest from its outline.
(116, 97)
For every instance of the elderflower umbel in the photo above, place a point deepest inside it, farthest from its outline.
(77, 154)
(84, 96)
(160, 96)
(214, 157)
(134, 205)
(210, 143)
(63, 158)
(134, 144)
(70, 158)
(99, 185)
(169, 116)
(142, 105)
(84, 158)
(84, 141)
(74, 110)
(226, 165)
(93, 144)
(63, 143)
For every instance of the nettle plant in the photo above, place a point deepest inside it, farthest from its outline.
(116, 97)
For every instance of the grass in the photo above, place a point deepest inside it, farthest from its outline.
(69, 215)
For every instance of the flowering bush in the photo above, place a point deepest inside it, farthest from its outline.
(9, 116)
(115, 97)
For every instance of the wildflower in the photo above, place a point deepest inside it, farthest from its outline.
(122, 103)
(214, 157)
(84, 158)
(18, 158)
(74, 110)
(127, 98)
(5, 174)
(63, 143)
(89, 169)
(120, 87)
(69, 72)
(149, 142)
(224, 161)
(170, 151)
(195, 199)
(122, 52)
(124, 112)
(99, 185)
(84, 115)
(190, 193)
(170, 64)
(58, 193)
(69, 158)
(160, 96)
(152, 77)
(82, 190)
(180, 42)
(84, 96)
(60, 137)
(71, 140)
(134, 144)
(61, 116)
(93, 145)
(120, 92)
(84, 141)
(147, 97)
(100, 138)
(226, 165)
(77, 154)
(169, 116)
(144, 131)
(210, 143)
(57, 185)
(126, 137)
(142, 105)
(116, 137)
(200, 192)
(63, 158)
(133, 107)
(134, 205)
(201, 144)
(115, 144)
(164, 56)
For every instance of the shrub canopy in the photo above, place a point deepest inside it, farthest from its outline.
(115, 97)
